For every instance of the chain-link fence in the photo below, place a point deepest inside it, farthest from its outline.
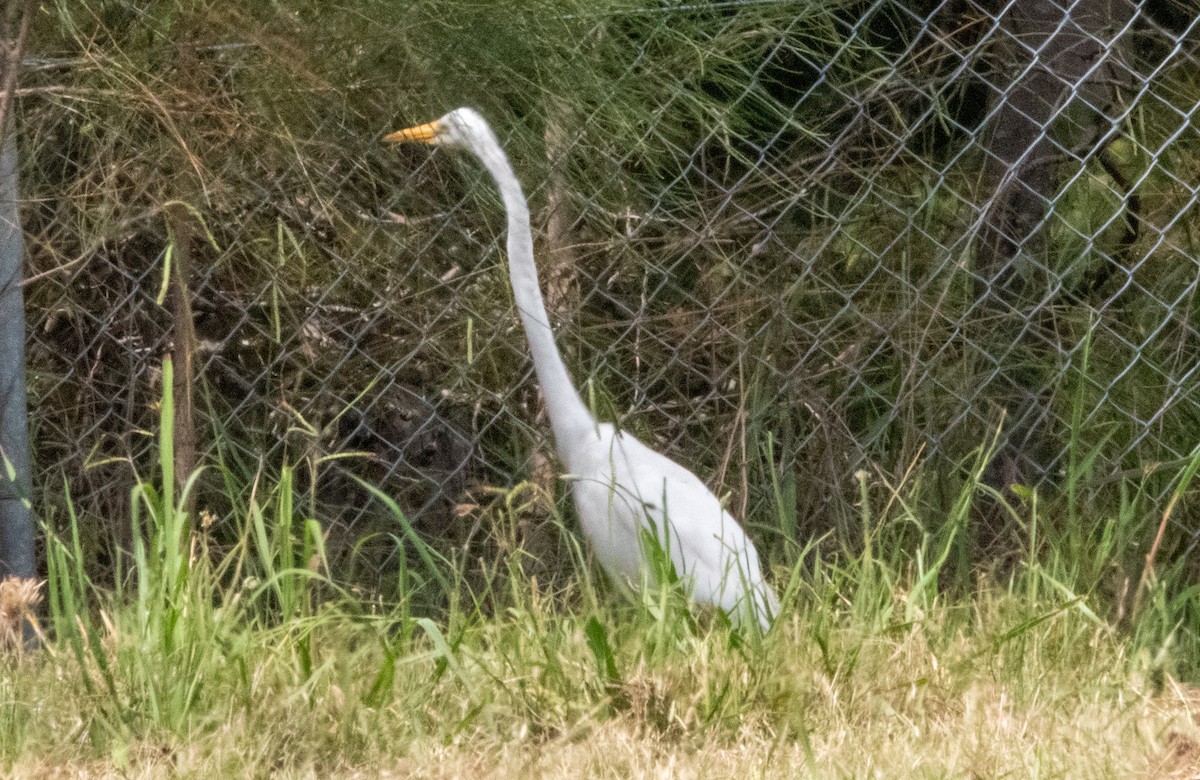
(793, 245)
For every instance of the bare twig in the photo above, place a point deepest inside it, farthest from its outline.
(12, 55)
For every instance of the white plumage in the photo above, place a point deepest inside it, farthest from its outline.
(623, 490)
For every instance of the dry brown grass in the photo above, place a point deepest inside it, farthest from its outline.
(906, 711)
(19, 599)
(989, 737)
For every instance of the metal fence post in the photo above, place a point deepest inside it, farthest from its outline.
(16, 512)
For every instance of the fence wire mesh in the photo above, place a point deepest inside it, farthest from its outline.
(800, 247)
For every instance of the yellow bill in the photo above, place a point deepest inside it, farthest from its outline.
(425, 134)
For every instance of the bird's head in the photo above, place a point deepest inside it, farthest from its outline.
(462, 127)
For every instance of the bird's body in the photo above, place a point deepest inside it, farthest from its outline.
(624, 491)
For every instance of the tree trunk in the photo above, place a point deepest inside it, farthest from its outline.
(1054, 104)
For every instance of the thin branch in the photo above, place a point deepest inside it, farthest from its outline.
(12, 60)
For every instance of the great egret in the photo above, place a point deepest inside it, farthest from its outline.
(626, 493)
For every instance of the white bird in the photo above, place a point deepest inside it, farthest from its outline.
(624, 491)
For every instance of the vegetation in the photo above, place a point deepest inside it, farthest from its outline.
(252, 661)
(754, 222)
(756, 225)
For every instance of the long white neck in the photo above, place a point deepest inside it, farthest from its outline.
(569, 417)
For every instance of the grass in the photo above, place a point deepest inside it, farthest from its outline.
(711, 153)
(819, 382)
(1000, 684)
(224, 646)
(247, 660)
(520, 697)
